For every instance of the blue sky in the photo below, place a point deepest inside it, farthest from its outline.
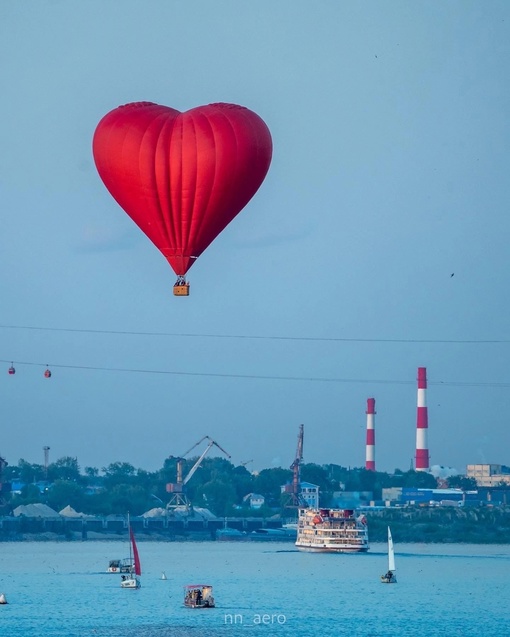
(389, 174)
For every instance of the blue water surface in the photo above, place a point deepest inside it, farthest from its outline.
(61, 589)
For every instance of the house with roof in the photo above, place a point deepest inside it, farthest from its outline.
(254, 500)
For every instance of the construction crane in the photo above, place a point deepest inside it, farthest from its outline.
(5, 487)
(296, 465)
(178, 488)
(293, 490)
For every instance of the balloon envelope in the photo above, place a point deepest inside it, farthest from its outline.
(182, 177)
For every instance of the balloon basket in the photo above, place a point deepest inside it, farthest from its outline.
(181, 290)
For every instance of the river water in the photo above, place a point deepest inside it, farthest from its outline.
(61, 589)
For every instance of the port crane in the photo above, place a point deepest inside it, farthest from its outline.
(4, 486)
(293, 490)
(178, 488)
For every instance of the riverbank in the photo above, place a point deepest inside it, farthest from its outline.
(476, 525)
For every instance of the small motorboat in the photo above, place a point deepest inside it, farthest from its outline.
(198, 596)
(121, 566)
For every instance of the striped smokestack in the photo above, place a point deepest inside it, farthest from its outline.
(422, 450)
(370, 449)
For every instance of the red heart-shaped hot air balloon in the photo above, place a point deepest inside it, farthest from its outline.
(182, 177)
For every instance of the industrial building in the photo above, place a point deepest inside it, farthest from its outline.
(484, 496)
(489, 475)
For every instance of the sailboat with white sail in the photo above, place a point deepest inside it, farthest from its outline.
(390, 577)
(131, 580)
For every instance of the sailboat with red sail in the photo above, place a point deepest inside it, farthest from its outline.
(132, 579)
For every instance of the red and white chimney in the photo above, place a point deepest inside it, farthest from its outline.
(422, 425)
(370, 448)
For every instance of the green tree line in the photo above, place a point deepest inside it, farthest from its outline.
(217, 485)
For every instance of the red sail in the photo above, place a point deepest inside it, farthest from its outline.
(138, 568)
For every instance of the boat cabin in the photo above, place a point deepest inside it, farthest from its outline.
(198, 596)
(126, 565)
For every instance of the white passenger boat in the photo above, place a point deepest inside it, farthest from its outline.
(332, 531)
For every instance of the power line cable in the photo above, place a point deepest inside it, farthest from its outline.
(258, 337)
(259, 376)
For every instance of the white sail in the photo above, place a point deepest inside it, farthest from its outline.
(391, 552)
